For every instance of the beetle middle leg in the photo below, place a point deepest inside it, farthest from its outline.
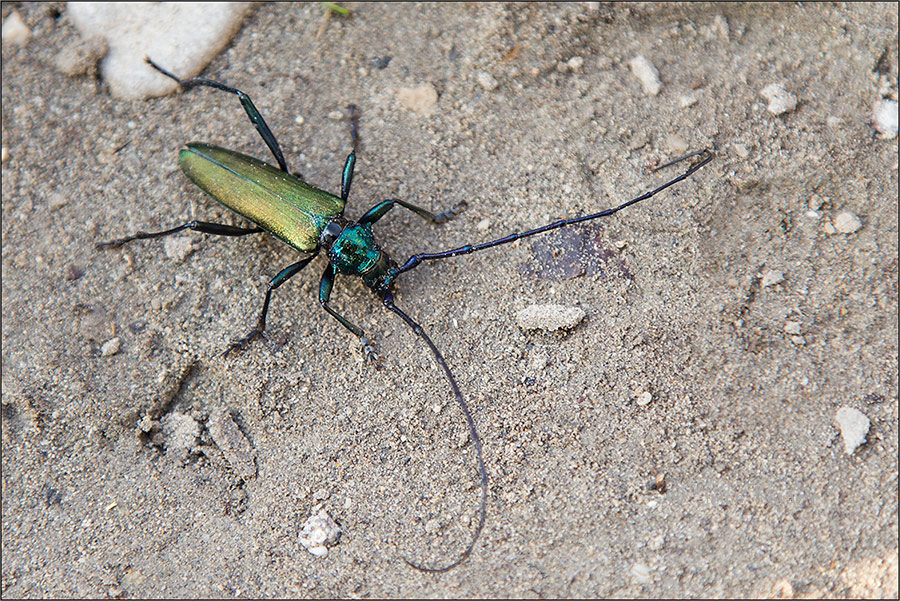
(255, 117)
(382, 208)
(325, 287)
(283, 276)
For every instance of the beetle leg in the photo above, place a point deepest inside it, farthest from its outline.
(255, 117)
(198, 226)
(283, 276)
(325, 286)
(347, 176)
(381, 209)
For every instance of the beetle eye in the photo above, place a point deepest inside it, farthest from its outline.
(330, 233)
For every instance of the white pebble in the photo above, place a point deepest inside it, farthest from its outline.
(780, 100)
(772, 277)
(181, 432)
(644, 398)
(486, 80)
(792, 327)
(178, 247)
(686, 100)
(15, 31)
(647, 74)
(742, 150)
(574, 64)
(319, 532)
(111, 347)
(854, 427)
(549, 317)
(421, 99)
(641, 573)
(884, 117)
(847, 222)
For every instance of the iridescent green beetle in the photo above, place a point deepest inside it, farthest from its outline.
(310, 220)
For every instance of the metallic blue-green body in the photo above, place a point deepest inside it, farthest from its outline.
(288, 208)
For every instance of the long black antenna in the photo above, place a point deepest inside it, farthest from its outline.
(464, 250)
(389, 303)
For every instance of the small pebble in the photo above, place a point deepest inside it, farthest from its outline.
(549, 317)
(741, 150)
(676, 143)
(644, 398)
(4, 154)
(647, 74)
(884, 118)
(792, 327)
(111, 347)
(772, 277)
(336, 115)
(780, 100)
(846, 222)
(854, 428)
(181, 432)
(486, 80)
(15, 31)
(421, 99)
(720, 26)
(319, 532)
(178, 247)
(686, 100)
(641, 573)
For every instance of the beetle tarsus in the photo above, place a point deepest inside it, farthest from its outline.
(451, 212)
(369, 354)
(239, 345)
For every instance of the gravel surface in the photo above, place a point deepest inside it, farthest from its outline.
(679, 441)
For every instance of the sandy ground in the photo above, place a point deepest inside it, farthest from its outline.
(732, 481)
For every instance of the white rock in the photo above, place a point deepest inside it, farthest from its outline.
(854, 427)
(182, 37)
(319, 532)
(641, 573)
(549, 317)
(111, 347)
(772, 277)
(792, 328)
(846, 222)
(780, 100)
(15, 31)
(178, 247)
(486, 80)
(647, 74)
(884, 118)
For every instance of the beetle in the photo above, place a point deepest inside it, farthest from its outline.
(311, 221)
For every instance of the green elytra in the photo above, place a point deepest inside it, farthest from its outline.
(310, 220)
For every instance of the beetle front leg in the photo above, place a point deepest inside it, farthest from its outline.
(325, 286)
